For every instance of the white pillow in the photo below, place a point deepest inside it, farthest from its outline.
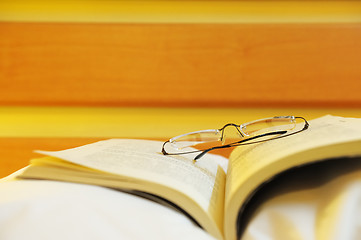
(38, 209)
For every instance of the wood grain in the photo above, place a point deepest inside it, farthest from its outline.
(180, 11)
(16, 153)
(84, 64)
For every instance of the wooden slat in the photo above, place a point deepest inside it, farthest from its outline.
(180, 11)
(16, 153)
(180, 64)
(137, 122)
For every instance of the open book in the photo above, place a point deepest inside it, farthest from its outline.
(210, 192)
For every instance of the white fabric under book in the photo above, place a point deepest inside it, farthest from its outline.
(32, 209)
(324, 203)
(321, 201)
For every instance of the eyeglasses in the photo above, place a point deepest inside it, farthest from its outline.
(253, 132)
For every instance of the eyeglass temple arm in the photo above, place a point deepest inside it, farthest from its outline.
(239, 142)
(163, 149)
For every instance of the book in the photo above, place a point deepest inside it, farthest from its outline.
(214, 191)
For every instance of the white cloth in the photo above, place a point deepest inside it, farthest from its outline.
(322, 204)
(31, 209)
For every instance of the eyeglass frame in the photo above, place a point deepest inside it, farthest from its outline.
(241, 142)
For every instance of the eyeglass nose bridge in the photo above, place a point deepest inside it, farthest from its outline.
(238, 127)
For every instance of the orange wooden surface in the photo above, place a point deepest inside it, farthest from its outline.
(180, 64)
(16, 152)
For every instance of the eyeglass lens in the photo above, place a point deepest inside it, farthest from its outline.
(268, 125)
(195, 138)
(231, 133)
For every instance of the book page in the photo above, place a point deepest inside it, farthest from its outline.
(250, 166)
(203, 181)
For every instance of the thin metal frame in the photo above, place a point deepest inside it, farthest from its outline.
(282, 134)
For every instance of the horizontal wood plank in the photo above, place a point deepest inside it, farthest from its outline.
(137, 122)
(180, 11)
(16, 153)
(79, 64)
